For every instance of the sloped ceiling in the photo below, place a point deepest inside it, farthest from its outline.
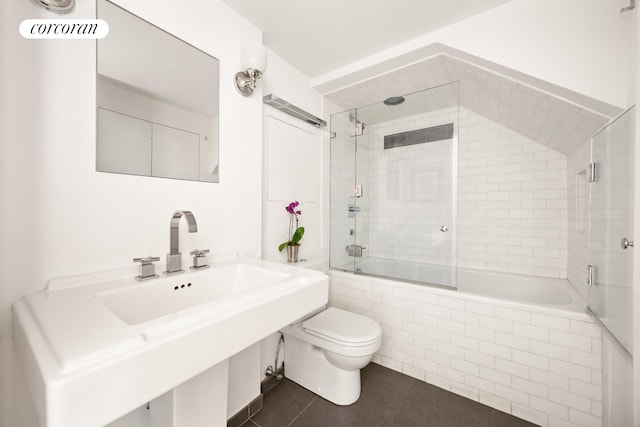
(549, 119)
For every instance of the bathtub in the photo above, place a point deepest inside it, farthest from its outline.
(511, 288)
(521, 344)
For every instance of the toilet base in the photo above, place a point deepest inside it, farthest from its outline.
(306, 365)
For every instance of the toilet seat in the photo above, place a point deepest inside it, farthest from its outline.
(343, 328)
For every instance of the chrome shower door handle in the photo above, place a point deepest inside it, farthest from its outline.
(625, 243)
(444, 228)
(590, 275)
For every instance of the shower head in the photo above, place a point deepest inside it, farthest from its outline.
(394, 100)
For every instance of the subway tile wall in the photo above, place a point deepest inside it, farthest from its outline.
(610, 220)
(511, 197)
(512, 201)
(577, 215)
(542, 366)
(410, 192)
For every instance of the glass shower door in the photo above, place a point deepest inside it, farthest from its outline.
(393, 187)
(343, 207)
(611, 227)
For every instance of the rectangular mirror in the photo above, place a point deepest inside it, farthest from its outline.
(157, 102)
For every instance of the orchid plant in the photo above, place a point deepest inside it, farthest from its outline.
(295, 235)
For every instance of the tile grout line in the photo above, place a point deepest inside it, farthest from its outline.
(300, 413)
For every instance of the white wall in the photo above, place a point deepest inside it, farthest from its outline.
(291, 172)
(59, 216)
(582, 46)
(293, 87)
(244, 379)
(636, 217)
(617, 384)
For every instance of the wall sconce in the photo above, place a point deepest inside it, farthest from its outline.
(58, 6)
(254, 62)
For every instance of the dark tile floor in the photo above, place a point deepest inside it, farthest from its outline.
(388, 399)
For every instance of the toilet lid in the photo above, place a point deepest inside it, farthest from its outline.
(343, 326)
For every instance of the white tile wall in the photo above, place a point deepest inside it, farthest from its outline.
(511, 201)
(595, 220)
(511, 197)
(545, 367)
(410, 192)
(578, 243)
(611, 209)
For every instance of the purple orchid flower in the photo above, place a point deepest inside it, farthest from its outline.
(295, 232)
(291, 208)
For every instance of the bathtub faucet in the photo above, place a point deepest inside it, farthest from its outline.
(174, 257)
(355, 250)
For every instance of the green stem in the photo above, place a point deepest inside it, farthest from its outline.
(291, 227)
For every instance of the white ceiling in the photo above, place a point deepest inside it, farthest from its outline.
(321, 36)
(318, 36)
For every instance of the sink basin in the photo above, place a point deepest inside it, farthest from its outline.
(95, 347)
(153, 299)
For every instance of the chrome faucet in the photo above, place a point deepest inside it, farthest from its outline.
(174, 257)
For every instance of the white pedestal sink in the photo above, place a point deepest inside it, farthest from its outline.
(98, 346)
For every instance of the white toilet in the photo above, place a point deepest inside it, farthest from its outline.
(325, 353)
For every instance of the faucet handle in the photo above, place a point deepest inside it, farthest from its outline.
(147, 268)
(147, 259)
(199, 252)
(199, 258)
